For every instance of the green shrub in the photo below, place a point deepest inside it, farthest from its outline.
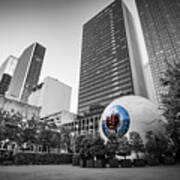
(126, 163)
(82, 163)
(168, 160)
(65, 158)
(6, 155)
(89, 163)
(7, 163)
(37, 158)
(139, 162)
(22, 158)
(75, 159)
(113, 163)
(99, 163)
(152, 161)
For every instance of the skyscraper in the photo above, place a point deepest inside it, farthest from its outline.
(107, 69)
(160, 20)
(6, 73)
(27, 72)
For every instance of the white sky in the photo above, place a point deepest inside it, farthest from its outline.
(55, 24)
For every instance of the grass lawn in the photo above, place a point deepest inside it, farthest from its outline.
(67, 172)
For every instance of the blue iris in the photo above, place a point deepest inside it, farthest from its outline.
(116, 121)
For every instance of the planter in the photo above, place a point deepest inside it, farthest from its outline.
(139, 162)
(100, 163)
(168, 160)
(75, 160)
(89, 163)
(82, 163)
(126, 163)
(113, 163)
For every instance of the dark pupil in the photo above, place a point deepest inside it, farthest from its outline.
(113, 121)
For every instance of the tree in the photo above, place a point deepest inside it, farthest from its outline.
(78, 143)
(85, 147)
(2, 126)
(65, 139)
(136, 143)
(13, 128)
(151, 145)
(112, 146)
(98, 147)
(29, 134)
(45, 139)
(158, 145)
(9, 127)
(56, 140)
(124, 148)
(171, 100)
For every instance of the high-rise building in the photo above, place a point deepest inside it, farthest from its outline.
(150, 83)
(27, 72)
(160, 21)
(6, 73)
(52, 96)
(109, 67)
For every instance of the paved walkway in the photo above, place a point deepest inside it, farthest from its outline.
(68, 172)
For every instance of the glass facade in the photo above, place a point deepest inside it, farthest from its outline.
(27, 72)
(4, 83)
(6, 73)
(33, 72)
(105, 66)
(160, 20)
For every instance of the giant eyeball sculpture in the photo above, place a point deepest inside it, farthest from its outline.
(131, 113)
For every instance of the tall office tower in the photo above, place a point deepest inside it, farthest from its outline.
(27, 72)
(107, 70)
(6, 73)
(160, 20)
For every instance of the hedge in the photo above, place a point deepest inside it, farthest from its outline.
(6, 155)
(37, 158)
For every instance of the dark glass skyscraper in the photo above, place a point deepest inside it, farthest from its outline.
(160, 20)
(106, 70)
(6, 72)
(27, 72)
